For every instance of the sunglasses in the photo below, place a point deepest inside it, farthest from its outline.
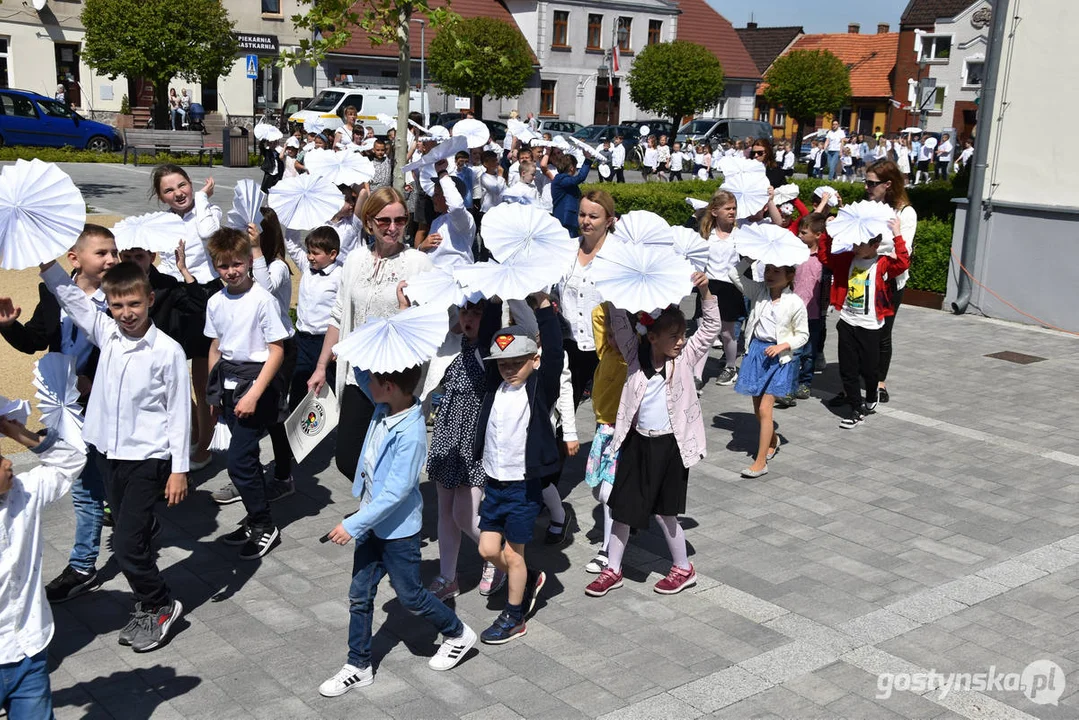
(385, 222)
(759, 153)
(874, 183)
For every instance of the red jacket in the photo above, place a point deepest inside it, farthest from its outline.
(887, 268)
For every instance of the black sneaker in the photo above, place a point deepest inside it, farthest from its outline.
(839, 401)
(558, 536)
(728, 376)
(856, 418)
(138, 617)
(239, 536)
(504, 629)
(260, 542)
(533, 584)
(153, 631)
(279, 489)
(882, 395)
(106, 518)
(70, 584)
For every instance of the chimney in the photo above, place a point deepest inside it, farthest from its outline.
(854, 28)
(883, 28)
(751, 26)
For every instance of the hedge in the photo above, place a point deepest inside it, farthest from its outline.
(70, 154)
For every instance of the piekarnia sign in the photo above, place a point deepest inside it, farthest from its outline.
(257, 43)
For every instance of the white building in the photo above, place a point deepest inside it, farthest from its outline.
(953, 55)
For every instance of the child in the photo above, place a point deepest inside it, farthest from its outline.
(807, 286)
(293, 167)
(659, 435)
(677, 160)
(26, 626)
(847, 161)
(864, 300)
(245, 384)
(387, 530)
(139, 417)
(517, 446)
(524, 190)
(50, 328)
(491, 181)
(453, 231)
(777, 327)
(717, 226)
(271, 165)
(618, 160)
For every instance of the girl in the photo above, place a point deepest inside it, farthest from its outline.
(651, 158)
(343, 135)
(778, 326)
(659, 435)
(663, 158)
(902, 150)
(717, 226)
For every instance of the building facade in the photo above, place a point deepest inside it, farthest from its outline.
(953, 54)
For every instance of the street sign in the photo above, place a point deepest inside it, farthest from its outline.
(461, 103)
(252, 67)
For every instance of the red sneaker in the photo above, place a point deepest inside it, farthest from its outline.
(676, 581)
(608, 580)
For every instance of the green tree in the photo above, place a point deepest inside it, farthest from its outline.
(807, 83)
(675, 79)
(158, 40)
(480, 56)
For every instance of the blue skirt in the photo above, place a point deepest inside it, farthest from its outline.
(762, 375)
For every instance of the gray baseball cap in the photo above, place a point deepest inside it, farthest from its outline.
(512, 342)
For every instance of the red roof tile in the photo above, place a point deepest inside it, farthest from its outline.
(700, 23)
(871, 59)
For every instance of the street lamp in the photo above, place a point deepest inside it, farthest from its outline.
(619, 35)
(423, 56)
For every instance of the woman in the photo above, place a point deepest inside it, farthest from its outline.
(835, 139)
(174, 109)
(884, 182)
(566, 190)
(369, 289)
(343, 136)
(577, 291)
(762, 152)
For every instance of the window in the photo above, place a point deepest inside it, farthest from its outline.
(561, 29)
(595, 32)
(55, 109)
(935, 47)
(781, 118)
(763, 113)
(624, 24)
(938, 100)
(973, 73)
(547, 88)
(271, 7)
(3, 63)
(655, 31)
(18, 106)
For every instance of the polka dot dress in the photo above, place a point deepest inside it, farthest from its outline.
(449, 460)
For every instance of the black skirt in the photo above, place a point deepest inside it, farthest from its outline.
(650, 480)
(731, 303)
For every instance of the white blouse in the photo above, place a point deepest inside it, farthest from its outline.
(577, 292)
(200, 222)
(722, 256)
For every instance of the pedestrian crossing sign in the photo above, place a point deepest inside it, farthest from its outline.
(252, 67)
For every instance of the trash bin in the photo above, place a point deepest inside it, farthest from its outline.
(235, 148)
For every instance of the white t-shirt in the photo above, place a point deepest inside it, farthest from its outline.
(767, 325)
(945, 150)
(925, 154)
(722, 257)
(860, 307)
(245, 325)
(651, 158)
(653, 415)
(507, 433)
(964, 157)
(835, 139)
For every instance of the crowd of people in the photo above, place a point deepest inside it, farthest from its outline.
(509, 380)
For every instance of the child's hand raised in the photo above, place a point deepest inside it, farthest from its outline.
(253, 235)
(208, 187)
(9, 312)
(402, 299)
(181, 256)
(895, 226)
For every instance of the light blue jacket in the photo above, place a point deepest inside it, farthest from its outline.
(396, 507)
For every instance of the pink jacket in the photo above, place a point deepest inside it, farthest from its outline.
(682, 404)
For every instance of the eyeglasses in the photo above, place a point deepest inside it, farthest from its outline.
(874, 183)
(759, 153)
(385, 222)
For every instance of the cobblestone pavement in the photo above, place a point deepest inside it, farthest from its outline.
(943, 534)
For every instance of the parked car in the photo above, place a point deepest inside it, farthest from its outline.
(716, 131)
(595, 134)
(27, 118)
(290, 107)
(655, 127)
(558, 127)
(370, 103)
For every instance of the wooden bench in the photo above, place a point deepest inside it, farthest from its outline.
(156, 141)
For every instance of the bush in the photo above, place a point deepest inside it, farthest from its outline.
(70, 154)
(932, 255)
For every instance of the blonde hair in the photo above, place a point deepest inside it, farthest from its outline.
(378, 200)
(719, 199)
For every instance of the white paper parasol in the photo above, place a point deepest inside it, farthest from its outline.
(738, 165)
(158, 232)
(409, 338)
(512, 232)
(267, 132)
(247, 203)
(509, 281)
(58, 397)
(586, 148)
(17, 410)
(911, 131)
(474, 131)
(604, 171)
(702, 174)
(770, 244)
(639, 277)
(749, 189)
(438, 287)
(443, 151)
(305, 201)
(340, 168)
(689, 244)
(785, 193)
(41, 214)
(314, 125)
(833, 194)
(858, 223)
(521, 131)
(696, 204)
(642, 227)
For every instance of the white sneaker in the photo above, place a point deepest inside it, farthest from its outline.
(347, 677)
(453, 650)
(597, 564)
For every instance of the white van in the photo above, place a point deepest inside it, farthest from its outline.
(330, 104)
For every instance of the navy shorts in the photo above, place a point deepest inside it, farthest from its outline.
(511, 508)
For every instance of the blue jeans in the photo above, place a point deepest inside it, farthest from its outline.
(24, 688)
(833, 160)
(400, 559)
(808, 353)
(88, 496)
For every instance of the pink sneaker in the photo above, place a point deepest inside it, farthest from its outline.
(492, 579)
(608, 580)
(676, 581)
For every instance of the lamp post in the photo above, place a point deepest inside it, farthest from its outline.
(618, 38)
(423, 57)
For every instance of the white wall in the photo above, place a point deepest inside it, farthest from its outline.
(968, 42)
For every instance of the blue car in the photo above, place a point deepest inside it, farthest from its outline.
(27, 118)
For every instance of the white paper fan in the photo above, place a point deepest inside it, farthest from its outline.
(267, 132)
(438, 132)
(158, 232)
(859, 223)
(438, 287)
(340, 168)
(750, 190)
(385, 119)
(17, 410)
(638, 277)
(696, 204)
(702, 174)
(58, 397)
(222, 437)
(41, 214)
(689, 244)
(247, 203)
(411, 337)
(314, 125)
(509, 281)
(604, 171)
(474, 131)
(785, 193)
(512, 232)
(770, 244)
(833, 195)
(738, 165)
(585, 147)
(305, 201)
(522, 132)
(442, 151)
(642, 227)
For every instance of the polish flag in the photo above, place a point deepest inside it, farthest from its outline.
(614, 58)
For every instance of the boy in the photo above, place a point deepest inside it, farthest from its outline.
(807, 286)
(491, 183)
(524, 190)
(523, 155)
(677, 160)
(517, 446)
(245, 384)
(50, 328)
(139, 418)
(387, 529)
(618, 160)
(453, 231)
(26, 622)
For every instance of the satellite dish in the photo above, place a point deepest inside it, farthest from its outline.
(39, 4)
(644, 128)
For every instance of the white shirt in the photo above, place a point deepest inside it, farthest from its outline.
(926, 152)
(276, 278)
(577, 292)
(944, 151)
(618, 156)
(73, 341)
(25, 616)
(200, 222)
(318, 289)
(653, 415)
(514, 173)
(722, 257)
(457, 228)
(522, 193)
(350, 233)
(506, 433)
(663, 153)
(492, 187)
(788, 160)
(677, 158)
(141, 404)
(767, 324)
(835, 139)
(651, 158)
(245, 325)
(964, 158)
(860, 307)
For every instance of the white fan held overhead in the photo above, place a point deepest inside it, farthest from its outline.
(642, 227)
(750, 191)
(41, 214)
(438, 287)
(305, 201)
(522, 132)
(510, 281)
(588, 149)
(58, 397)
(738, 165)
(314, 125)
(512, 232)
(833, 194)
(640, 278)
(247, 203)
(157, 232)
(409, 338)
(689, 244)
(770, 245)
(443, 151)
(267, 132)
(340, 168)
(859, 223)
(474, 131)
(785, 194)
(696, 204)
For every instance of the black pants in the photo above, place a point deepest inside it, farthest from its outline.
(886, 336)
(308, 348)
(356, 413)
(134, 487)
(676, 175)
(282, 451)
(582, 366)
(620, 175)
(859, 359)
(244, 462)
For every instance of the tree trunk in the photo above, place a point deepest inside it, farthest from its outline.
(404, 84)
(162, 115)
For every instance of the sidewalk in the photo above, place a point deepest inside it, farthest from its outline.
(943, 534)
